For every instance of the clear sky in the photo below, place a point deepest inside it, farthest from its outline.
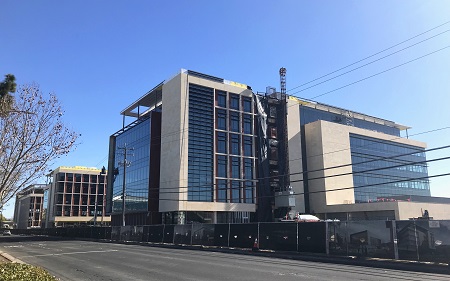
(100, 56)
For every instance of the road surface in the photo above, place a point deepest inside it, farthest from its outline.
(85, 260)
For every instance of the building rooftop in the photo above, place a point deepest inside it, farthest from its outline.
(80, 169)
(153, 98)
(349, 113)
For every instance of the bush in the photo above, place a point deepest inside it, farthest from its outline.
(23, 272)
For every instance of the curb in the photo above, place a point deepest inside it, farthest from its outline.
(10, 258)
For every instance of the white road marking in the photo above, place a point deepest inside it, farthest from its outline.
(72, 253)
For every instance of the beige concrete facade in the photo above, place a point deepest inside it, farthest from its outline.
(328, 145)
(175, 141)
(295, 154)
(69, 190)
(401, 210)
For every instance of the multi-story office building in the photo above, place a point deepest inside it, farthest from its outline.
(209, 150)
(357, 166)
(76, 197)
(194, 153)
(29, 209)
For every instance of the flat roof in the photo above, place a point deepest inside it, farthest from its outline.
(353, 114)
(153, 98)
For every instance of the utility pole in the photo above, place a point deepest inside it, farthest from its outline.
(125, 164)
(103, 173)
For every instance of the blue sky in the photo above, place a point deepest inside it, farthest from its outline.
(100, 56)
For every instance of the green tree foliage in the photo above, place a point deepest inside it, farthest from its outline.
(7, 87)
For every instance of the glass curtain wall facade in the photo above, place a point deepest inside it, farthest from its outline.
(200, 146)
(380, 173)
(234, 149)
(137, 173)
(309, 115)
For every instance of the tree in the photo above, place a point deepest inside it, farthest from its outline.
(7, 87)
(32, 136)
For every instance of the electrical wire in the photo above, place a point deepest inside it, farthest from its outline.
(384, 71)
(369, 63)
(368, 57)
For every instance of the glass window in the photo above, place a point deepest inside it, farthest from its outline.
(222, 166)
(247, 104)
(234, 101)
(235, 191)
(234, 121)
(221, 142)
(248, 168)
(235, 167)
(222, 191)
(247, 123)
(234, 144)
(221, 119)
(221, 98)
(381, 179)
(248, 146)
(248, 193)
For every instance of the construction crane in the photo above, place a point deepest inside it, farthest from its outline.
(283, 81)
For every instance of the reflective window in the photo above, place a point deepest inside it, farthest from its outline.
(248, 168)
(222, 166)
(246, 104)
(221, 142)
(309, 115)
(248, 146)
(221, 119)
(222, 191)
(235, 191)
(234, 101)
(235, 167)
(138, 138)
(247, 123)
(234, 121)
(248, 192)
(380, 173)
(200, 145)
(221, 98)
(234, 144)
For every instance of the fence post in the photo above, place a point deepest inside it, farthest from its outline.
(327, 242)
(259, 240)
(417, 242)
(395, 240)
(164, 233)
(192, 232)
(229, 224)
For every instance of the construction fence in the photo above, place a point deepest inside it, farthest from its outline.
(420, 240)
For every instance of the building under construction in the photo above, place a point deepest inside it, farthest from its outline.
(200, 148)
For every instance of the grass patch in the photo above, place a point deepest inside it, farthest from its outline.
(23, 272)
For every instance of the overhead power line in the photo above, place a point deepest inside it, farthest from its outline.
(384, 71)
(369, 63)
(368, 57)
(317, 191)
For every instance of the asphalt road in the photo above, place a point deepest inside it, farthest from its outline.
(85, 260)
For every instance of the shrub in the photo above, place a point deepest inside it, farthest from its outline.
(23, 272)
